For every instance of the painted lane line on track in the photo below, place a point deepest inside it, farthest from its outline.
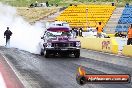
(18, 75)
(2, 82)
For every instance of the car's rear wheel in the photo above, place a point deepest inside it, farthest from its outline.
(77, 53)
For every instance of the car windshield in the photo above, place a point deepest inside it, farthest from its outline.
(55, 34)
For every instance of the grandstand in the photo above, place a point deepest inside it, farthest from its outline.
(125, 19)
(86, 15)
(113, 21)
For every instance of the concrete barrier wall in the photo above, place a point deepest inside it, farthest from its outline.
(127, 50)
(99, 44)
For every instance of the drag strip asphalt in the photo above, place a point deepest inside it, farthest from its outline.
(60, 72)
(8, 78)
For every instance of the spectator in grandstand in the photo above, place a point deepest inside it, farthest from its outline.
(80, 32)
(75, 5)
(118, 34)
(129, 41)
(52, 4)
(70, 4)
(47, 3)
(99, 30)
(73, 32)
(56, 5)
(122, 35)
(32, 5)
(36, 3)
(76, 30)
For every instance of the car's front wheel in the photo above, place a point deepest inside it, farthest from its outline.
(77, 53)
(46, 54)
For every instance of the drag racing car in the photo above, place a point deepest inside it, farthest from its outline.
(59, 41)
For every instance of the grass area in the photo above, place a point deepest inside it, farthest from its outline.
(21, 3)
(34, 14)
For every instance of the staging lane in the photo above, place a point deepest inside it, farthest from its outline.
(40, 72)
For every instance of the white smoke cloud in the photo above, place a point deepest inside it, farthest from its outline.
(25, 36)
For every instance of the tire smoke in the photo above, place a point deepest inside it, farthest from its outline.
(25, 36)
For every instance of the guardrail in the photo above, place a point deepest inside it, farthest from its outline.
(100, 44)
